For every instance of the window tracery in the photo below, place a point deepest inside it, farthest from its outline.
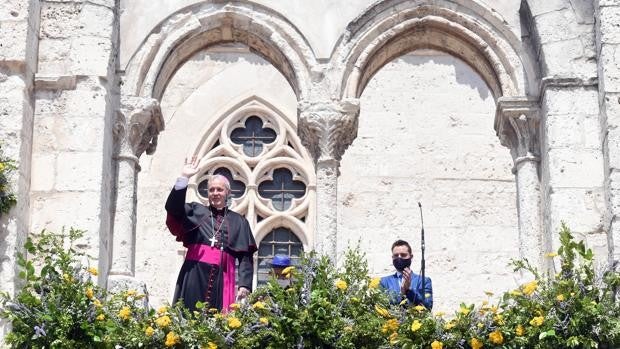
(271, 174)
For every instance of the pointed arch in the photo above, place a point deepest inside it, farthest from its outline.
(216, 149)
(205, 24)
(465, 29)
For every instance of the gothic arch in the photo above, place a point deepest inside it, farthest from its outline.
(205, 24)
(465, 29)
(216, 149)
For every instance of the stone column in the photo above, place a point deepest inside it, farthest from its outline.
(138, 123)
(517, 124)
(608, 62)
(327, 129)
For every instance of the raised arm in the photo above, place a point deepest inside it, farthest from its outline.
(175, 204)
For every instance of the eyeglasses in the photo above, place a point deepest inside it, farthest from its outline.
(401, 255)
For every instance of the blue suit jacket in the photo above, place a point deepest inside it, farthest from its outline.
(414, 295)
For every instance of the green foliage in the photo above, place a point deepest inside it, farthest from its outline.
(321, 307)
(7, 197)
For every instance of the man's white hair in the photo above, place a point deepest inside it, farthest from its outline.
(223, 179)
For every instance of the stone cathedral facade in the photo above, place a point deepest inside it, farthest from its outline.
(333, 120)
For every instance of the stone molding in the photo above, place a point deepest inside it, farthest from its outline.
(206, 24)
(58, 82)
(517, 125)
(480, 38)
(548, 82)
(138, 123)
(328, 128)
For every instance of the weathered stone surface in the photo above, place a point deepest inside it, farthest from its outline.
(425, 129)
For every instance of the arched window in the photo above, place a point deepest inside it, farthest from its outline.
(279, 241)
(271, 174)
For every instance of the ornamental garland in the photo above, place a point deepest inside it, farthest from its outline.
(7, 197)
(322, 306)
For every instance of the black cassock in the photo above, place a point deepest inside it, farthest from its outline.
(214, 240)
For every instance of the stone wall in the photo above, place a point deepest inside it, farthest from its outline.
(76, 102)
(563, 39)
(19, 24)
(608, 48)
(430, 139)
(408, 127)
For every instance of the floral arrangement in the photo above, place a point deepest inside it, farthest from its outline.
(7, 197)
(322, 307)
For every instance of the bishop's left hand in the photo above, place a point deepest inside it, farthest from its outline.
(242, 293)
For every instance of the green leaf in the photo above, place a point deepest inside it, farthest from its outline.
(543, 335)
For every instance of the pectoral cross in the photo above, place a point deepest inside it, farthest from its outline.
(213, 240)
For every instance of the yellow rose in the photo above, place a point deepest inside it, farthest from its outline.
(560, 298)
(419, 308)
(101, 317)
(449, 325)
(496, 337)
(163, 321)
(515, 293)
(234, 306)
(415, 325)
(499, 319)
(464, 310)
(233, 323)
(475, 343)
(172, 339)
(124, 313)
(263, 321)
(530, 287)
(149, 331)
(537, 321)
(93, 271)
(90, 294)
(382, 311)
(374, 282)
(390, 326)
(288, 271)
(341, 285)
(436, 345)
(211, 345)
(162, 310)
(520, 330)
(97, 303)
(131, 293)
(258, 305)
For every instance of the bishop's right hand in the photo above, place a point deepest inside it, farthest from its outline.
(190, 168)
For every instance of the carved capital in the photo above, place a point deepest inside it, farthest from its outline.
(138, 123)
(517, 123)
(328, 128)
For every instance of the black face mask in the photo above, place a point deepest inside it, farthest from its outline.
(401, 263)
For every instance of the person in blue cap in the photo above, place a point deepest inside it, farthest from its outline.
(278, 264)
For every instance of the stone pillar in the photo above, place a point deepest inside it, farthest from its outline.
(327, 129)
(19, 25)
(608, 48)
(138, 123)
(517, 124)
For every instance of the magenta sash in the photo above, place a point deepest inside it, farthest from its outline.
(211, 255)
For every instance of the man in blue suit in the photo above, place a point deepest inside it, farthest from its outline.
(404, 284)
